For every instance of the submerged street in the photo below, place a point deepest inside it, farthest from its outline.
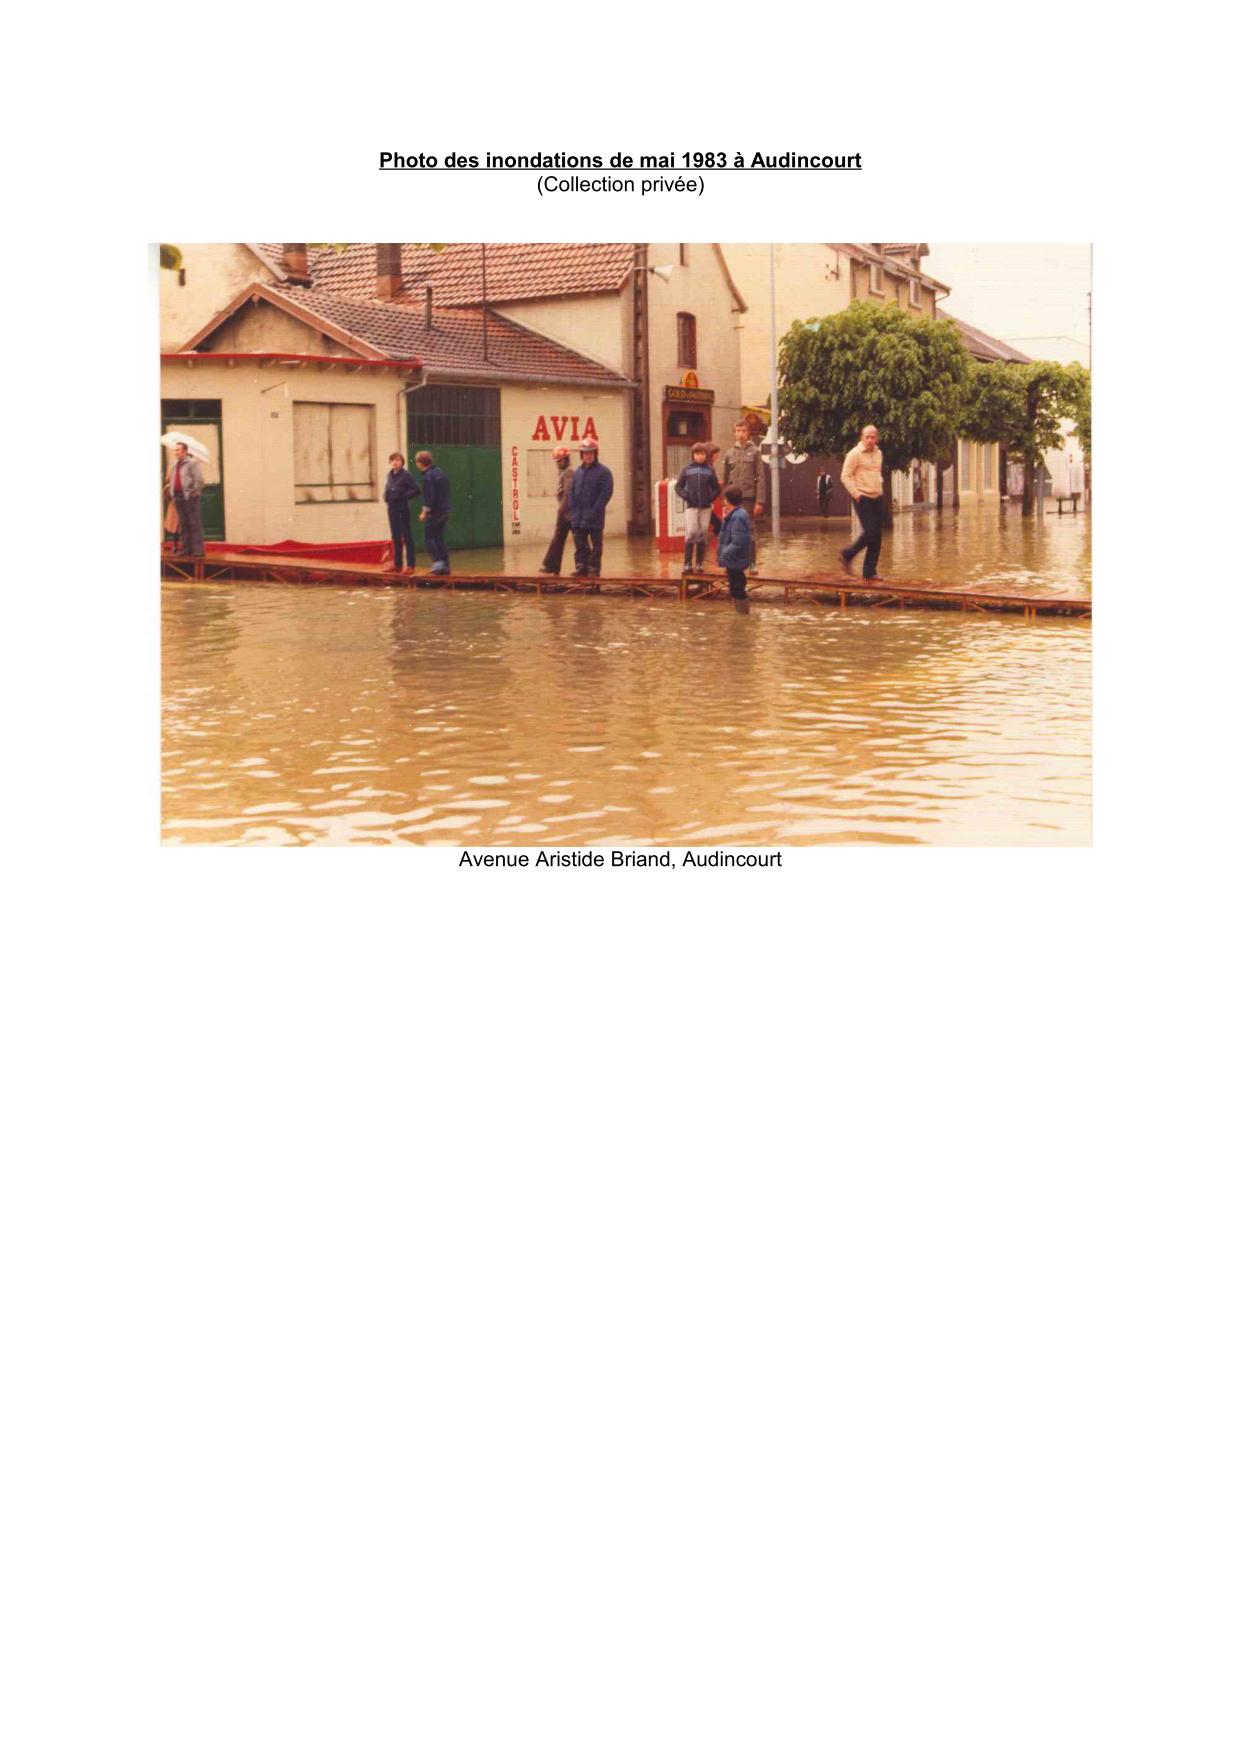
(306, 715)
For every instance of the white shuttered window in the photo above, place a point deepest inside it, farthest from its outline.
(333, 451)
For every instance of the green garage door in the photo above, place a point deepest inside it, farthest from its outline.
(460, 424)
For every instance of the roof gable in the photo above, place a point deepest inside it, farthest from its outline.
(258, 293)
(458, 341)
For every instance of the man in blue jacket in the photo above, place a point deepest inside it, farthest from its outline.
(736, 547)
(592, 488)
(436, 504)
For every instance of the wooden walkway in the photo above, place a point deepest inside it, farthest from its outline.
(833, 591)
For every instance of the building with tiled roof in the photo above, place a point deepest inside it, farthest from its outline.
(300, 395)
(650, 331)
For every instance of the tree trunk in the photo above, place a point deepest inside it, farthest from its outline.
(888, 510)
(1026, 493)
(1031, 457)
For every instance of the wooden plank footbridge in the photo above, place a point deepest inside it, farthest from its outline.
(833, 591)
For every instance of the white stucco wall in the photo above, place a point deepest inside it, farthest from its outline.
(699, 287)
(593, 326)
(214, 275)
(522, 409)
(811, 280)
(257, 449)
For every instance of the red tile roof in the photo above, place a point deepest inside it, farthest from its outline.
(514, 271)
(453, 343)
(985, 347)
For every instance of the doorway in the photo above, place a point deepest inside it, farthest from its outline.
(682, 429)
(460, 426)
(201, 420)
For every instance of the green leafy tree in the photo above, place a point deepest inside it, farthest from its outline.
(873, 365)
(1083, 429)
(1024, 407)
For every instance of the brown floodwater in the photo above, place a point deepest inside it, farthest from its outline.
(298, 715)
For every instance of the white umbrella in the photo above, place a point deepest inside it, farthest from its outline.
(194, 446)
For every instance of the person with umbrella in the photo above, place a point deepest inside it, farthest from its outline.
(184, 489)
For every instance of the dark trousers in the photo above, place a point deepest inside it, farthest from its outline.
(870, 511)
(401, 526)
(588, 551)
(736, 581)
(554, 557)
(190, 513)
(436, 547)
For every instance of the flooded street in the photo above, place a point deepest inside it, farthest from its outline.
(332, 716)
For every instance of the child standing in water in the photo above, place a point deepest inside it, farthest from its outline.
(736, 547)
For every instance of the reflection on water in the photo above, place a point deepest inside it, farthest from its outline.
(332, 716)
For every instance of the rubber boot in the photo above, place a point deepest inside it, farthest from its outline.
(687, 568)
(699, 555)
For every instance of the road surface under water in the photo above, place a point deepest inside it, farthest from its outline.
(299, 715)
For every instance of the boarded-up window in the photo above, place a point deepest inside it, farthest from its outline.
(966, 468)
(541, 475)
(988, 465)
(686, 339)
(333, 451)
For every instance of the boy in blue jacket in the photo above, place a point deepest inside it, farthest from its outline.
(736, 547)
(436, 504)
(399, 491)
(697, 489)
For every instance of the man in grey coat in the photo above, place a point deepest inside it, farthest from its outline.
(554, 556)
(742, 467)
(185, 492)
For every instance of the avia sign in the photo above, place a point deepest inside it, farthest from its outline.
(555, 427)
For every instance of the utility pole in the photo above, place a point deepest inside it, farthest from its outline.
(640, 442)
(773, 434)
(484, 301)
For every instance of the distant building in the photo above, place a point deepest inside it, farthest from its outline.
(977, 474)
(819, 280)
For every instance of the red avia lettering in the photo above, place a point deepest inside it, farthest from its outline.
(572, 424)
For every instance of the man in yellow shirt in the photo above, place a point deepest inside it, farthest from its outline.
(863, 478)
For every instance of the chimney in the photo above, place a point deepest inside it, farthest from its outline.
(430, 305)
(296, 264)
(388, 282)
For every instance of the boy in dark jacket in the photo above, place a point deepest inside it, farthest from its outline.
(436, 504)
(697, 488)
(399, 491)
(736, 547)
